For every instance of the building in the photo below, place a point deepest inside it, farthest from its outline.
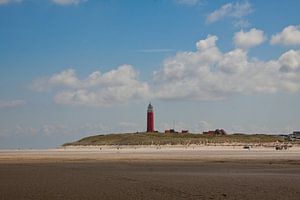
(174, 131)
(220, 132)
(170, 131)
(150, 118)
(185, 131)
(296, 134)
(209, 132)
(215, 132)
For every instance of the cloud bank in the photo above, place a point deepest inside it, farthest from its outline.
(201, 75)
(290, 35)
(209, 74)
(117, 86)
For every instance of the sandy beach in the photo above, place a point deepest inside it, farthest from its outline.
(150, 172)
(155, 152)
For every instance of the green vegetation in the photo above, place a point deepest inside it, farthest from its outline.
(172, 139)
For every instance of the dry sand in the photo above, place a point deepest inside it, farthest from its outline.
(150, 172)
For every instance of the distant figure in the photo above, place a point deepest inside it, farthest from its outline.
(150, 118)
(247, 147)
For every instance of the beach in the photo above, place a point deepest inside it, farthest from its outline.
(150, 172)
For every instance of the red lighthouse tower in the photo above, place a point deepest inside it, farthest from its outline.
(150, 118)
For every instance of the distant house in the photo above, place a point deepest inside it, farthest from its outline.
(174, 131)
(215, 132)
(296, 134)
(170, 131)
(220, 132)
(209, 132)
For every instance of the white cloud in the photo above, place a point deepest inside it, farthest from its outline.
(208, 43)
(203, 74)
(249, 39)
(290, 35)
(66, 78)
(290, 61)
(234, 11)
(209, 74)
(68, 2)
(2, 2)
(114, 87)
(188, 2)
(11, 104)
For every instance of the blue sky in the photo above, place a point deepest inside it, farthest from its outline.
(73, 68)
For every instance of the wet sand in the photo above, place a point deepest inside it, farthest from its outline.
(148, 174)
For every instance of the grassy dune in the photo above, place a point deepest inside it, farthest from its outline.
(172, 139)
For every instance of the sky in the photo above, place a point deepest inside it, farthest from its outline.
(75, 68)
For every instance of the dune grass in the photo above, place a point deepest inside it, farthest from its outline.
(155, 138)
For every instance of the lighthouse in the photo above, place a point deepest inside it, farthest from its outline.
(150, 118)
